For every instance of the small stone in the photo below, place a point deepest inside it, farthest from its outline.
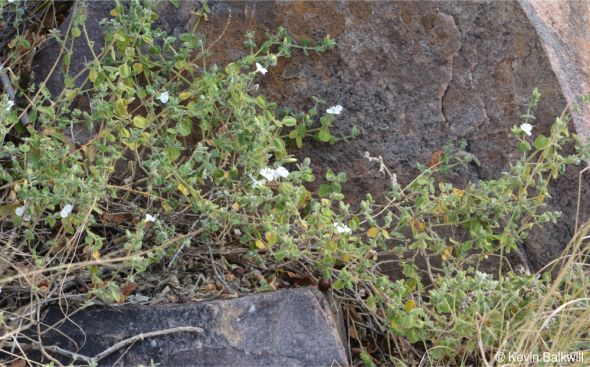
(239, 272)
(324, 285)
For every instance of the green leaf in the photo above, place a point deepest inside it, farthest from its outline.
(172, 152)
(92, 75)
(324, 135)
(184, 127)
(299, 141)
(354, 223)
(443, 306)
(137, 67)
(289, 121)
(278, 144)
(232, 69)
(206, 8)
(121, 107)
(338, 284)
(76, 32)
(261, 102)
(141, 122)
(49, 111)
(325, 190)
(124, 71)
(524, 147)
(541, 142)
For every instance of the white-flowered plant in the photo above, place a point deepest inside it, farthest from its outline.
(9, 105)
(224, 187)
(279, 172)
(164, 97)
(66, 210)
(341, 228)
(20, 211)
(527, 128)
(261, 69)
(268, 173)
(271, 174)
(335, 110)
(258, 183)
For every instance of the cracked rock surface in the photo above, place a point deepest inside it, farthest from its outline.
(412, 76)
(293, 327)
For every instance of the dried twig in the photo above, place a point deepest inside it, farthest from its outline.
(123, 343)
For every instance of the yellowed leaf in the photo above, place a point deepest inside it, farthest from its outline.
(167, 208)
(185, 95)
(271, 238)
(410, 305)
(128, 289)
(446, 254)
(346, 257)
(183, 189)
(260, 245)
(418, 225)
(373, 232)
(435, 158)
(117, 217)
(458, 192)
(130, 145)
(303, 225)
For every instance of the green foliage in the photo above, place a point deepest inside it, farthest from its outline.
(195, 153)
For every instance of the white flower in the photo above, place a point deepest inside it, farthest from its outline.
(527, 128)
(341, 228)
(9, 105)
(272, 174)
(66, 210)
(255, 182)
(334, 110)
(280, 172)
(150, 218)
(268, 173)
(260, 69)
(258, 183)
(20, 211)
(164, 97)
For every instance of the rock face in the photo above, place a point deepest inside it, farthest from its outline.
(411, 75)
(564, 28)
(286, 328)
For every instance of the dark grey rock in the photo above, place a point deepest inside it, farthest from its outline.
(293, 327)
